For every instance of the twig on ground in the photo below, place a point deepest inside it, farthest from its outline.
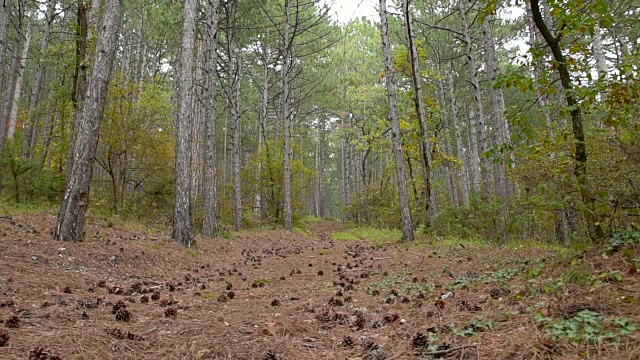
(442, 352)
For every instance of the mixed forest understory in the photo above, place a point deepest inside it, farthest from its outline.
(128, 293)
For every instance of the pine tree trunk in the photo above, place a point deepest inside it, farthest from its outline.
(262, 131)
(233, 88)
(477, 122)
(430, 196)
(71, 219)
(396, 135)
(5, 17)
(17, 89)
(210, 222)
(182, 226)
(450, 171)
(287, 154)
(30, 127)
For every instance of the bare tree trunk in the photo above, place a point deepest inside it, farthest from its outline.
(210, 222)
(36, 94)
(477, 122)
(319, 188)
(501, 126)
(17, 89)
(599, 55)
(396, 135)
(233, 88)
(543, 99)
(71, 219)
(450, 171)
(79, 88)
(182, 226)
(460, 151)
(262, 131)
(5, 17)
(430, 196)
(287, 153)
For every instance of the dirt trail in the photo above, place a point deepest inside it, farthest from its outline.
(133, 294)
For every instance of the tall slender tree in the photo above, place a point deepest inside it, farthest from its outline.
(396, 134)
(182, 226)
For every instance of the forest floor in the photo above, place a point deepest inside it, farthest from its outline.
(128, 292)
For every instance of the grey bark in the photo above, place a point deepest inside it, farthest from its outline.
(182, 226)
(210, 189)
(30, 127)
(446, 124)
(17, 88)
(501, 125)
(598, 54)
(5, 17)
(71, 218)
(430, 195)
(460, 150)
(477, 122)
(396, 135)
(319, 188)
(543, 99)
(286, 113)
(262, 131)
(234, 84)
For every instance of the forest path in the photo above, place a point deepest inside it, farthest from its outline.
(130, 293)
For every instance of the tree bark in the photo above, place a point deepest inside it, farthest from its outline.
(416, 76)
(477, 122)
(234, 85)
(30, 127)
(396, 135)
(460, 150)
(5, 17)
(17, 89)
(580, 148)
(182, 226)
(286, 113)
(210, 222)
(71, 219)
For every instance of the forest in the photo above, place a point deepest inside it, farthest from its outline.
(220, 139)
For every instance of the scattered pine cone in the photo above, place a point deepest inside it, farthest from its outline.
(144, 299)
(4, 337)
(348, 342)
(229, 286)
(123, 315)
(118, 306)
(420, 341)
(231, 294)
(155, 296)
(171, 312)
(40, 353)
(12, 322)
(275, 302)
(270, 355)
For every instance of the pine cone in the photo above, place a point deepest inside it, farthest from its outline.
(12, 322)
(348, 342)
(4, 337)
(123, 315)
(420, 341)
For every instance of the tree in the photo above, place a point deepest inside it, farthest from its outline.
(71, 218)
(580, 148)
(210, 221)
(182, 227)
(396, 135)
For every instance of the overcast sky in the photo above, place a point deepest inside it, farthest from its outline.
(345, 10)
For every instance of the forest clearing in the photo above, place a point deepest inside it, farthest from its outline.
(126, 293)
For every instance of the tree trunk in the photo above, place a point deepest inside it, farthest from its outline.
(182, 226)
(543, 99)
(460, 151)
(287, 153)
(501, 126)
(5, 17)
(430, 196)
(210, 222)
(79, 88)
(319, 188)
(17, 89)
(477, 122)
(396, 135)
(30, 127)
(262, 131)
(446, 124)
(71, 219)
(580, 148)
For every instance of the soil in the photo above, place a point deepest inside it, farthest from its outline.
(131, 293)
